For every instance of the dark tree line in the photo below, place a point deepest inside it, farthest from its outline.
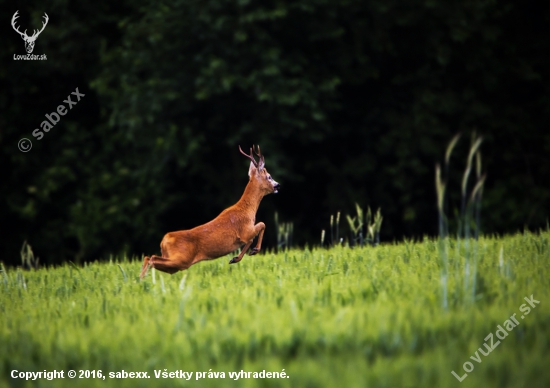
(351, 102)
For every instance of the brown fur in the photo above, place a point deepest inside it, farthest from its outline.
(234, 228)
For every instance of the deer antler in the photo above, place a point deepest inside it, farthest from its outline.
(261, 162)
(15, 16)
(251, 157)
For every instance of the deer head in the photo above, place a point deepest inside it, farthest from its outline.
(258, 172)
(29, 40)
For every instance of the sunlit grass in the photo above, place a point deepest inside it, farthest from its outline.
(359, 317)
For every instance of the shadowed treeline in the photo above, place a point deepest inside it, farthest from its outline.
(351, 102)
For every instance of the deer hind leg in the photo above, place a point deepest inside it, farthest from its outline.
(144, 267)
(259, 228)
(163, 264)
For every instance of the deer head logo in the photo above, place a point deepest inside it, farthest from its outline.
(29, 40)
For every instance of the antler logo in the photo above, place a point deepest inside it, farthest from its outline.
(29, 40)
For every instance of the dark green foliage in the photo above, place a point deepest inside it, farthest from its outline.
(351, 102)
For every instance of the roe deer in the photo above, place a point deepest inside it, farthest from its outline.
(234, 228)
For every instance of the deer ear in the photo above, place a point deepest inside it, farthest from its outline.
(251, 169)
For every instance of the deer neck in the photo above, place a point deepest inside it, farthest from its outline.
(252, 196)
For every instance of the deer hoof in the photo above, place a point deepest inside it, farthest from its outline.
(253, 251)
(234, 260)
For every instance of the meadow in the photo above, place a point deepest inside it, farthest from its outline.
(347, 317)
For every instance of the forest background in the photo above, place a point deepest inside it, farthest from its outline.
(351, 102)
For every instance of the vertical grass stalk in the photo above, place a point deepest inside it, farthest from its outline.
(470, 209)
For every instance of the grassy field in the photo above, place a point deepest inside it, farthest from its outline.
(369, 317)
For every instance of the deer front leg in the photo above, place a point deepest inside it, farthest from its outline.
(236, 259)
(259, 228)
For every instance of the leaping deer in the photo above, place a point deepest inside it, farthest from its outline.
(234, 228)
(29, 40)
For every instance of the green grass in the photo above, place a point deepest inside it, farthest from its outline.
(330, 318)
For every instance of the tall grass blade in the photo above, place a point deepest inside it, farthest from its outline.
(123, 273)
